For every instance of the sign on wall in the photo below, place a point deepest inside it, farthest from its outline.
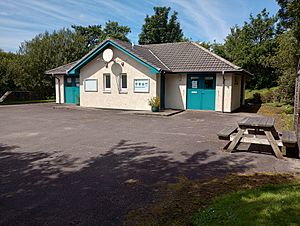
(141, 85)
(90, 85)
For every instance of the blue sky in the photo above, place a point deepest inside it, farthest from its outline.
(201, 20)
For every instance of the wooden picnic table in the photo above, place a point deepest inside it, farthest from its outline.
(257, 126)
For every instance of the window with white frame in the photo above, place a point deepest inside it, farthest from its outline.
(123, 82)
(106, 82)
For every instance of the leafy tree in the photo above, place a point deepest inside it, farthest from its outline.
(94, 34)
(285, 61)
(159, 28)
(91, 34)
(114, 30)
(251, 47)
(44, 52)
(289, 14)
(215, 47)
(6, 72)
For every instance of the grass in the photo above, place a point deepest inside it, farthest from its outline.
(249, 93)
(282, 112)
(26, 102)
(269, 205)
(189, 202)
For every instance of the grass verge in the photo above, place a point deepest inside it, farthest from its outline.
(269, 205)
(179, 202)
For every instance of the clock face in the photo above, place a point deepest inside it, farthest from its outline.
(108, 55)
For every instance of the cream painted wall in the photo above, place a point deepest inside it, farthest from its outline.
(116, 99)
(236, 92)
(232, 92)
(62, 90)
(175, 95)
(219, 92)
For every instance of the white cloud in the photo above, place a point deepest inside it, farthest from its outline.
(203, 18)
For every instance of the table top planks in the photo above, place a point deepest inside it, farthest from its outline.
(257, 122)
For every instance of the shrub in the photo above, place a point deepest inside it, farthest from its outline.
(257, 98)
(154, 102)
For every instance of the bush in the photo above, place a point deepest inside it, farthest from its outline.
(257, 98)
(154, 102)
(288, 109)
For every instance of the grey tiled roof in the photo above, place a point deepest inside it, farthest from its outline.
(171, 57)
(61, 69)
(190, 57)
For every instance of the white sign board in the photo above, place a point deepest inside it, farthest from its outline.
(90, 85)
(141, 85)
(194, 84)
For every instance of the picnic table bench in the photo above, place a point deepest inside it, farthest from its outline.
(257, 130)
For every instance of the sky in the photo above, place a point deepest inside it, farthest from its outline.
(201, 20)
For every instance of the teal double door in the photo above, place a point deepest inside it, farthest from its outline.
(201, 91)
(72, 94)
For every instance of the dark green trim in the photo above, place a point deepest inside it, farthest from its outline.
(75, 70)
(162, 90)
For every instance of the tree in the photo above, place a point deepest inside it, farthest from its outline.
(6, 72)
(112, 29)
(285, 61)
(94, 34)
(289, 14)
(46, 51)
(91, 34)
(252, 46)
(158, 28)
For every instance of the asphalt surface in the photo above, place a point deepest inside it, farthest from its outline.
(73, 167)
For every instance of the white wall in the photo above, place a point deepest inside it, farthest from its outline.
(236, 92)
(175, 94)
(232, 92)
(62, 90)
(219, 92)
(116, 99)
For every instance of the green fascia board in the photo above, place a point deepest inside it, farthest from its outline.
(76, 69)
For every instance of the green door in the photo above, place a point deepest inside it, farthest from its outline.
(201, 92)
(71, 90)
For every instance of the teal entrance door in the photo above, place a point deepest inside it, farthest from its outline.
(71, 90)
(201, 92)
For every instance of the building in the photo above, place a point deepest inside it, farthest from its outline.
(121, 75)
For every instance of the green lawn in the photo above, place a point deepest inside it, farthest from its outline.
(271, 205)
(237, 199)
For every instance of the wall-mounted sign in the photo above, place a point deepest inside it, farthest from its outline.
(141, 85)
(90, 85)
(194, 84)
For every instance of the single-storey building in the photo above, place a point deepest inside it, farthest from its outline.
(120, 75)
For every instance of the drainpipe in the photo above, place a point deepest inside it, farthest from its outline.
(59, 98)
(223, 90)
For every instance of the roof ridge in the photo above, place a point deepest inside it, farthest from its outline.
(166, 43)
(215, 55)
(158, 59)
(61, 66)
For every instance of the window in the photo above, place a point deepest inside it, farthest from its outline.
(69, 81)
(208, 82)
(123, 82)
(106, 82)
(77, 82)
(90, 85)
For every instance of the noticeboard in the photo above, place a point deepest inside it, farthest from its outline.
(141, 85)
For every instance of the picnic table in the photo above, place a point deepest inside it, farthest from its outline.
(257, 130)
